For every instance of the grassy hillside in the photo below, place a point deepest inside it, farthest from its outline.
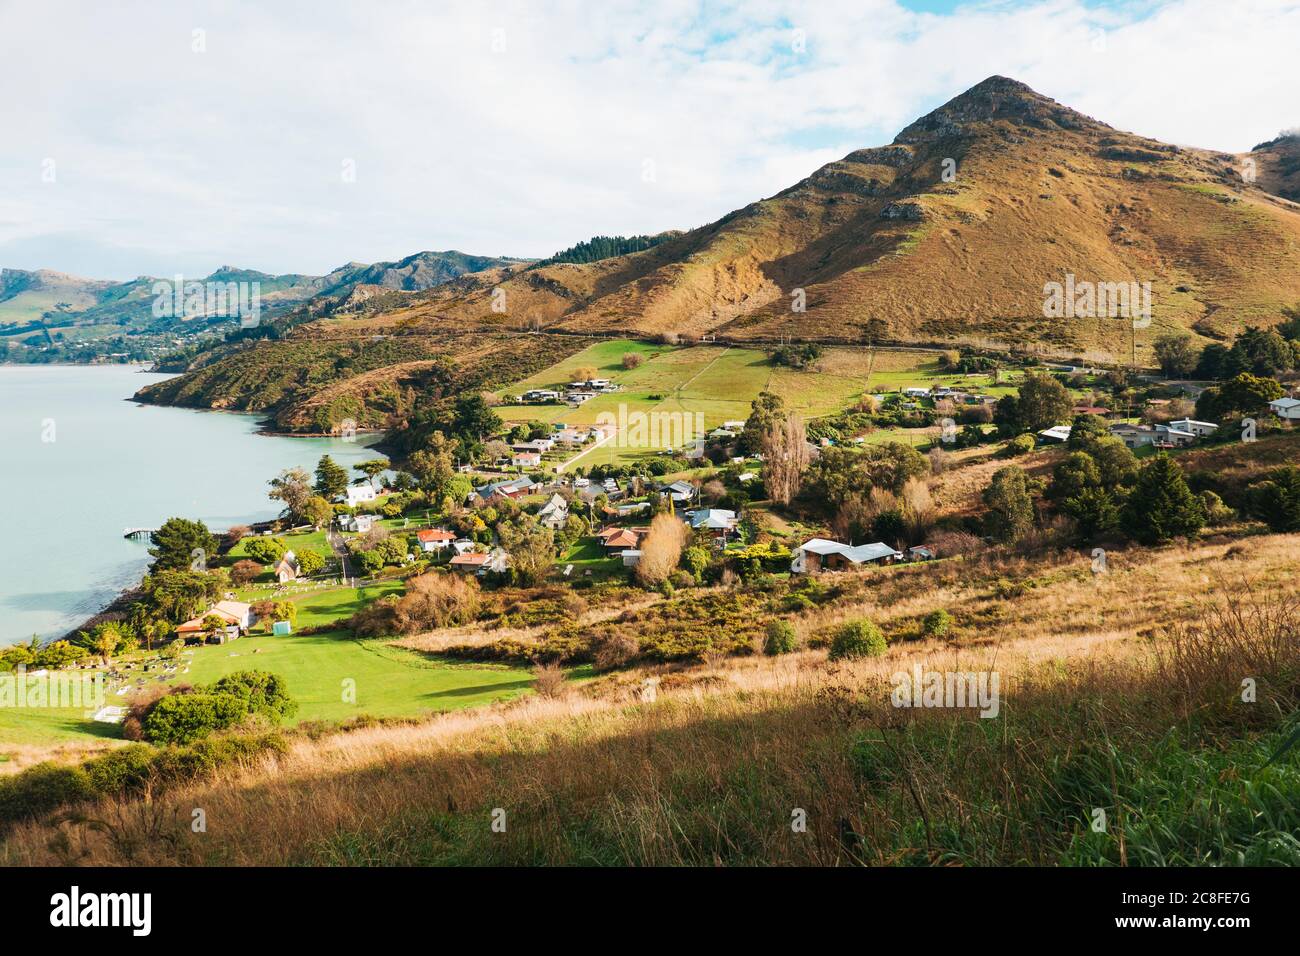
(1108, 700)
(948, 235)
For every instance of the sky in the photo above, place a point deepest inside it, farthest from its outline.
(176, 137)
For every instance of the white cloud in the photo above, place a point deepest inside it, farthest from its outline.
(184, 161)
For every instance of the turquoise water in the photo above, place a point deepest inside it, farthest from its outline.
(113, 464)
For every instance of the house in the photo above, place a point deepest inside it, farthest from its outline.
(1199, 429)
(435, 539)
(1167, 436)
(735, 425)
(920, 553)
(526, 459)
(1134, 436)
(541, 395)
(631, 557)
(498, 490)
(1055, 435)
(1287, 408)
(237, 616)
(820, 554)
(719, 521)
(577, 398)
(679, 491)
(469, 562)
(461, 545)
(359, 494)
(554, 513)
(916, 392)
(362, 524)
(719, 433)
(616, 540)
(572, 436)
(540, 445)
(287, 568)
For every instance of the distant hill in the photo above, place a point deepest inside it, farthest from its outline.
(948, 235)
(44, 307)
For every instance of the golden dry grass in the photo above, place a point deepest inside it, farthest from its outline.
(356, 796)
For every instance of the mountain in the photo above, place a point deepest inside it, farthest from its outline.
(51, 310)
(948, 236)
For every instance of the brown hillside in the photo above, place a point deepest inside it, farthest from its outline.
(885, 248)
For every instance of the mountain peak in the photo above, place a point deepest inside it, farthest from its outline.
(997, 98)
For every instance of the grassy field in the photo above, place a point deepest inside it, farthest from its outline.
(715, 382)
(388, 681)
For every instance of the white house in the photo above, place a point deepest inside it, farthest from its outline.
(554, 513)
(362, 523)
(1168, 434)
(1056, 434)
(287, 569)
(1199, 429)
(526, 459)
(1288, 408)
(359, 494)
(434, 539)
(821, 554)
(541, 395)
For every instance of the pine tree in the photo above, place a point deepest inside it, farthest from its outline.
(331, 478)
(1162, 506)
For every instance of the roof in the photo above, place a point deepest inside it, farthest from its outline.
(1058, 432)
(713, 518)
(436, 534)
(470, 558)
(859, 554)
(1285, 403)
(870, 552)
(1193, 421)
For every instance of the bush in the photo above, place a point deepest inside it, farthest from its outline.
(781, 638)
(1020, 445)
(182, 718)
(857, 639)
(261, 691)
(42, 789)
(125, 770)
(936, 623)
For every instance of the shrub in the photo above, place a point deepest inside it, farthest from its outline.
(617, 649)
(1020, 445)
(936, 623)
(261, 691)
(857, 639)
(548, 680)
(125, 770)
(244, 572)
(182, 718)
(781, 638)
(632, 360)
(42, 789)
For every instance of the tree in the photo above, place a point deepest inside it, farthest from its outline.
(317, 512)
(1075, 473)
(1276, 501)
(1011, 508)
(1245, 394)
(293, 487)
(531, 548)
(785, 457)
(310, 562)
(244, 572)
(178, 543)
(1161, 506)
(1177, 354)
(1085, 430)
(331, 479)
(266, 550)
(105, 639)
(475, 419)
(780, 639)
(371, 469)
(435, 465)
(1094, 512)
(181, 718)
(661, 549)
(1042, 402)
(179, 595)
(766, 409)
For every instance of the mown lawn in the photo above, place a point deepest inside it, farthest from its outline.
(320, 669)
